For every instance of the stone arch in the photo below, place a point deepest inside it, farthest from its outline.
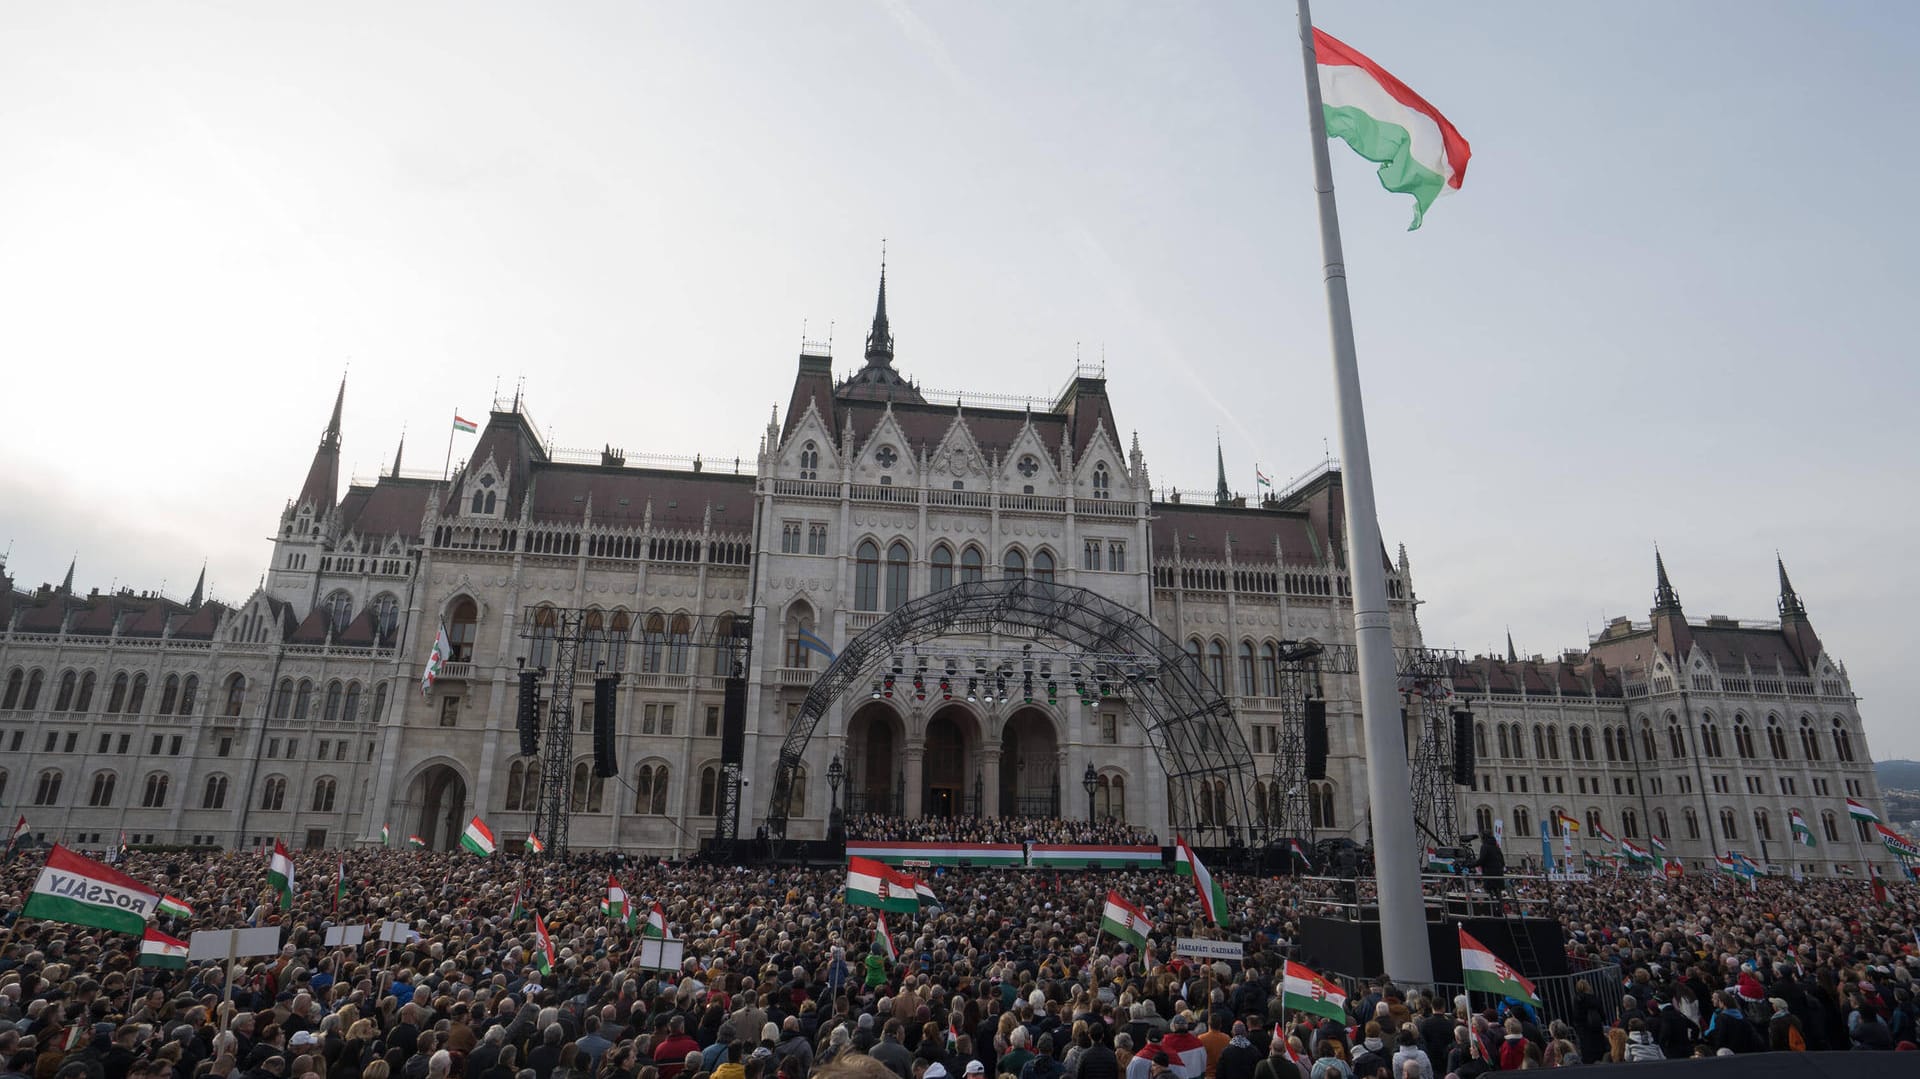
(1029, 742)
(437, 802)
(952, 780)
(875, 748)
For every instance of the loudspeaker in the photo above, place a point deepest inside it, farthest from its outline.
(1463, 759)
(528, 713)
(1316, 739)
(604, 692)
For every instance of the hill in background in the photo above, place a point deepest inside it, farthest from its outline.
(1898, 775)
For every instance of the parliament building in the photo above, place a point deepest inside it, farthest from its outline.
(298, 712)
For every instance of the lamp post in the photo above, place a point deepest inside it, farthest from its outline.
(1089, 781)
(835, 771)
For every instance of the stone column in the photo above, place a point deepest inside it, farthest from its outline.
(990, 781)
(912, 802)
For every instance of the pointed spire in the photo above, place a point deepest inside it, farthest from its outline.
(323, 476)
(1790, 605)
(332, 437)
(1221, 496)
(66, 586)
(1664, 597)
(880, 338)
(199, 589)
(399, 452)
(1512, 656)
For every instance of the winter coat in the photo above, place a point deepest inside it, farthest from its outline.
(1641, 1046)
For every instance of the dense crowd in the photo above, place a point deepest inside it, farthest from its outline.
(889, 829)
(1008, 975)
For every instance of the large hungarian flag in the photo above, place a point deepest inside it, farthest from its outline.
(280, 873)
(615, 905)
(80, 891)
(464, 426)
(1896, 842)
(1488, 973)
(876, 884)
(478, 838)
(1125, 921)
(435, 660)
(416, 842)
(542, 946)
(1213, 898)
(1800, 830)
(883, 940)
(1860, 812)
(1419, 152)
(1634, 852)
(159, 950)
(1305, 991)
(656, 923)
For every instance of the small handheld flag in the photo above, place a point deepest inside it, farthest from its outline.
(19, 832)
(386, 835)
(415, 841)
(1213, 898)
(542, 946)
(173, 908)
(1489, 973)
(478, 838)
(280, 873)
(656, 923)
(883, 940)
(1125, 921)
(1305, 991)
(534, 845)
(159, 950)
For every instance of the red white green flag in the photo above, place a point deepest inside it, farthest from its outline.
(1418, 150)
(534, 846)
(386, 835)
(1125, 921)
(1880, 893)
(280, 873)
(478, 838)
(656, 923)
(19, 832)
(1854, 810)
(466, 426)
(77, 890)
(173, 908)
(436, 659)
(1213, 898)
(1305, 991)
(883, 940)
(159, 950)
(876, 884)
(542, 946)
(1487, 972)
(415, 841)
(615, 905)
(340, 884)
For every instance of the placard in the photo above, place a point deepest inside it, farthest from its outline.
(245, 943)
(345, 936)
(397, 933)
(657, 954)
(1201, 948)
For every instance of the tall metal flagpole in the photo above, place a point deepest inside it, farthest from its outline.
(1403, 931)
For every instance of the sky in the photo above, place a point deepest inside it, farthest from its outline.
(1671, 304)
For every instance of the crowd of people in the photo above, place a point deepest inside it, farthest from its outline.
(877, 827)
(1006, 974)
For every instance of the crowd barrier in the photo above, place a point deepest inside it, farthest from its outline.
(1009, 855)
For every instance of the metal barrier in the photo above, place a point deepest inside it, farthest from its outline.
(1558, 993)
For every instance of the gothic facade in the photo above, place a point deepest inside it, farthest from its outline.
(298, 712)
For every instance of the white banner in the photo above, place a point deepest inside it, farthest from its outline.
(1201, 948)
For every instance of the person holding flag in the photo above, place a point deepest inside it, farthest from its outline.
(1213, 897)
(656, 926)
(1124, 921)
(14, 837)
(340, 884)
(280, 873)
(80, 891)
(542, 946)
(883, 940)
(1482, 970)
(615, 905)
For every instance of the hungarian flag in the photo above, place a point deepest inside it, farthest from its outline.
(1600, 832)
(478, 838)
(280, 873)
(1880, 893)
(464, 426)
(883, 940)
(435, 659)
(876, 884)
(80, 891)
(923, 893)
(1213, 898)
(1436, 864)
(173, 908)
(1261, 479)
(542, 946)
(1725, 864)
(19, 833)
(1658, 846)
(1860, 812)
(1634, 852)
(1896, 842)
(656, 923)
(1417, 149)
(517, 911)
(615, 905)
(340, 884)
(1490, 974)
(159, 950)
(415, 841)
(386, 835)
(534, 845)
(1305, 991)
(1299, 850)
(1800, 830)
(1125, 921)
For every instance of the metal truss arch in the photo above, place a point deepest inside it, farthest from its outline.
(1188, 724)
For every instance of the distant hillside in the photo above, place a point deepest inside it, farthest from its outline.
(1899, 775)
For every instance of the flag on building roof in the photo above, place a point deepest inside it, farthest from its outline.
(883, 940)
(1488, 973)
(280, 873)
(1302, 990)
(542, 946)
(1800, 830)
(466, 426)
(534, 846)
(435, 660)
(173, 908)
(1418, 150)
(876, 884)
(1261, 479)
(1860, 812)
(615, 905)
(1213, 898)
(77, 890)
(1124, 920)
(159, 950)
(656, 923)
(478, 838)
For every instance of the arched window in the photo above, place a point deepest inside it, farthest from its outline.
(1269, 670)
(797, 796)
(1043, 565)
(117, 694)
(63, 700)
(516, 774)
(1586, 741)
(530, 785)
(679, 644)
(463, 620)
(386, 617)
(1763, 825)
(137, 699)
(1248, 684)
(897, 567)
(1522, 821)
(1110, 798)
(339, 611)
(1606, 738)
(588, 789)
(283, 699)
(1480, 741)
(1665, 831)
(866, 576)
(1102, 481)
(1776, 739)
(809, 462)
(273, 794)
(1518, 738)
(1727, 829)
(1554, 823)
(1830, 825)
(330, 711)
(34, 682)
(942, 575)
(709, 791)
(1500, 732)
(1483, 819)
(1196, 652)
(1593, 822)
(1014, 565)
(650, 789)
(236, 693)
(973, 565)
(303, 699)
(350, 703)
(1742, 737)
(1676, 738)
(323, 791)
(1842, 743)
(16, 681)
(1629, 824)
(47, 791)
(1809, 742)
(85, 701)
(546, 630)
(169, 693)
(653, 642)
(1217, 665)
(155, 794)
(102, 793)
(1709, 736)
(1320, 804)
(1539, 742)
(1692, 821)
(594, 636)
(620, 628)
(214, 794)
(379, 703)
(1646, 741)
(188, 691)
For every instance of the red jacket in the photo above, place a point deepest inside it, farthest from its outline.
(1513, 1052)
(670, 1056)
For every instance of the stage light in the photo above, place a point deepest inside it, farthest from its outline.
(973, 685)
(876, 689)
(946, 689)
(919, 688)
(1053, 692)
(887, 686)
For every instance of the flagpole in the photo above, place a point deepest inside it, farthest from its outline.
(1403, 938)
(446, 470)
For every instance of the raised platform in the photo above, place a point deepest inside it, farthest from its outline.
(1535, 946)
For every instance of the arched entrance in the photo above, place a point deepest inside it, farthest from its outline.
(875, 764)
(951, 785)
(441, 795)
(1029, 766)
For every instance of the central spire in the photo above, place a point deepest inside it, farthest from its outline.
(880, 338)
(1790, 605)
(1221, 496)
(1664, 597)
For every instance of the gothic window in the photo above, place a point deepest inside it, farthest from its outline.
(1553, 742)
(303, 699)
(619, 628)
(47, 791)
(796, 796)
(809, 462)
(722, 654)
(973, 566)
(1831, 826)
(516, 773)
(331, 710)
(1676, 738)
(1646, 741)
(379, 703)
(386, 617)
(595, 639)
(1480, 741)
(323, 792)
(1776, 739)
(1500, 730)
(1248, 685)
(169, 693)
(1586, 741)
(63, 700)
(1692, 821)
(1519, 743)
(102, 793)
(1660, 821)
(1710, 738)
(709, 792)
(886, 457)
(283, 699)
(16, 680)
(1522, 821)
(462, 620)
(1593, 822)
(816, 538)
(1809, 742)
(273, 795)
(546, 629)
(117, 694)
(1763, 825)
(679, 644)
(1320, 804)
(1269, 670)
(1483, 819)
(137, 699)
(155, 794)
(790, 537)
(236, 694)
(85, 701)
(896, 575)
(650, 789)
(942, 568)
(866, 576)
(1629, 824)
(1842, 743)
(32, 699)
(1539, 742)
(589, 790)
(214, 794)
(1116, 556)
(1727, 829)
(1043, 565)
(1015, 564)
(350, 704)
(1217, 664)
(1090, 554)
(799, 621)
(339, 611)
(189, 690)
(1102, 481)
(653, 642)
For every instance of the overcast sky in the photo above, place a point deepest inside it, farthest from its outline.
(1673, 303)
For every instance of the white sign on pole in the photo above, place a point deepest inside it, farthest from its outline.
(397, 933)
(223, 944)
(1201, 948)
(345, 936)
(657, 954)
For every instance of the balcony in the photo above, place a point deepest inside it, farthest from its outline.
(456, 671)
(795, 677)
